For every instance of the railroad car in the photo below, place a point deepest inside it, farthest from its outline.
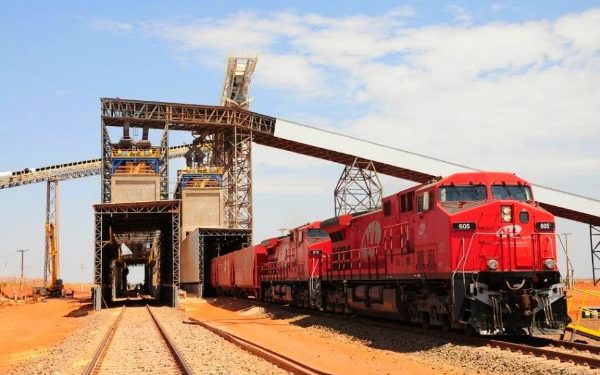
(238, 273)
(472, 250)
(292, 273)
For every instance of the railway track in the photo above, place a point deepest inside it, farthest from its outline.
(277, 359)
(137, 343)
(564, 351)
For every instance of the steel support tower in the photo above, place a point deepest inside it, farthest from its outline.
(52, 224)
(358, 188)
(231, 148)
(237, 146)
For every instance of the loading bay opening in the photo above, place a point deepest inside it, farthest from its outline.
(137, 234)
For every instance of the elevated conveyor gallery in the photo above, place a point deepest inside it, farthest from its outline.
(322, 144)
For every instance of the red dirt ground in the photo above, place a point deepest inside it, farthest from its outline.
(318, 350)
(27, 330)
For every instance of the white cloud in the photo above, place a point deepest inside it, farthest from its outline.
(292, 71)
(460, 14)
(111, 25)
(500, 95)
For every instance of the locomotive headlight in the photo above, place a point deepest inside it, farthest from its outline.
(493, 264)
(506, 213)
(549, 263)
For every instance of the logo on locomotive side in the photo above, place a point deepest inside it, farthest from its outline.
(509, 230)
(371, 239)
(283, 252)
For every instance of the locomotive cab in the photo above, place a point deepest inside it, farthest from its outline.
(503, 259)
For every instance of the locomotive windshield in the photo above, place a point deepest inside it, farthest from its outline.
(316, 234)
(512, 192)
(462, 193)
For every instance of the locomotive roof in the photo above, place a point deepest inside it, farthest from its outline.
(467, 178)
(485, 178)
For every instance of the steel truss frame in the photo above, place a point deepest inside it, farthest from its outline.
(190, 117)
(52, 218)
(236, 85)
(358, 188)
(595, 251)
(107, 163)
(158, 207)
(164, 164)
(226, 131)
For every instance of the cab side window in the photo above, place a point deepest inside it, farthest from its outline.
(425, 201)
(406, 202)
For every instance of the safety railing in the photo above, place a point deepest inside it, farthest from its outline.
(202, 170)
(370, 262)
(135, 168)
(149, 153)
(587, 322)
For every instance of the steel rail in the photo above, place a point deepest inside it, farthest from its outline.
(577, 359)
(544, 341)
(92, 367)
(275, 358)
(185, 368)
(505, 343)
(103, 345)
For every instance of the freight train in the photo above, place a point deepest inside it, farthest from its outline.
(471, 251)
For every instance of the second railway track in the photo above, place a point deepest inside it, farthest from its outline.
(137, 343)
(571, 352)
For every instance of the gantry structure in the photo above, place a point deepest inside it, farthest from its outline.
(225, 132)
(52, 175)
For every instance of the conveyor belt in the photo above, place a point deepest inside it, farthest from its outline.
(67, 171)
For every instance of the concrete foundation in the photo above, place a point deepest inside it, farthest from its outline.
(134, 188)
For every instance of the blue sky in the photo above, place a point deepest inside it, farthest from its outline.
(494, 85)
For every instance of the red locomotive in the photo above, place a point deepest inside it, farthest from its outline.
(472, 251)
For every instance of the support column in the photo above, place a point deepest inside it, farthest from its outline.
(175, 230)
(98, 245)
(595, 249)
(51, 261)
(164, 164)
(106, 164)
(237, 179)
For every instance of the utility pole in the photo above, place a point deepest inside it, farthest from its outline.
(569, 277)
(22, 251)
(81, 286)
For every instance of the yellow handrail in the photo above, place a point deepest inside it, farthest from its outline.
(583, 308)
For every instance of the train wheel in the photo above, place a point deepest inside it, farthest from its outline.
(469, 331)
(446, 323)
(425, 323)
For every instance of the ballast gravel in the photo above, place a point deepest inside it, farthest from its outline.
(205, 352)
(438, 352)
